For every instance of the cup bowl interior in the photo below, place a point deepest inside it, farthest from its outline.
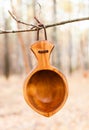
(46, 90)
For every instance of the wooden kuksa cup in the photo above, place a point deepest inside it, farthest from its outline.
(45, 88)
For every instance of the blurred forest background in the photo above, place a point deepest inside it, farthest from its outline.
(71, 41)
(70, 55)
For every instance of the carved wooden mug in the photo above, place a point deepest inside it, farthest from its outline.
(45, 88)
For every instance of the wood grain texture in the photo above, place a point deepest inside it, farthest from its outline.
(42, 58)
(45, 88)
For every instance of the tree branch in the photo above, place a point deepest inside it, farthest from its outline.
(16, 31)
(68, 21)
(19, 21)
(46, 26)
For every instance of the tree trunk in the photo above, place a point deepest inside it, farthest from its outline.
(56, 56)
(21, 40)
(6, 70)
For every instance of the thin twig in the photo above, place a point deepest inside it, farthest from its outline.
(37, 20)
(16, 31)
(46, 26)
(68, 21)
(21, 22)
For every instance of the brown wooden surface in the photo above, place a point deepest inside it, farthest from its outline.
(43, 58)
(45, 88)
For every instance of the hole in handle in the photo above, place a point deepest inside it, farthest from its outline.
(43, 51)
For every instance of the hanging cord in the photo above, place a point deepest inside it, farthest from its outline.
(45, 33)
(37, 33)
(40, 25)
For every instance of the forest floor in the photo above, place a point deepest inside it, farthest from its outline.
(15, 114)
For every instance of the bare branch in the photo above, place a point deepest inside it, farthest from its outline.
(37, 21)
(68, 21)
(46, 26)
(21, 22)
(16, 31)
